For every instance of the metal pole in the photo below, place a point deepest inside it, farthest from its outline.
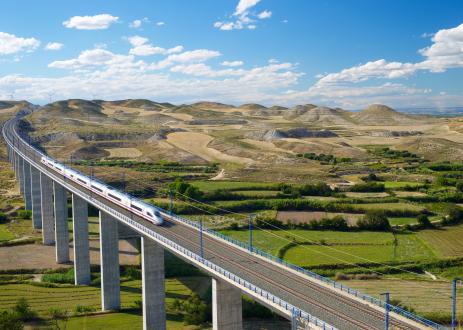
(454, 303)
(170, 203)
(201, 238)
(250, 232)
(386, 312)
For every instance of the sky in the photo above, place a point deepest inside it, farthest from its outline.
(339, 53)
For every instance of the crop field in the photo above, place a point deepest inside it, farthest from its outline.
(230, 185)
(391, 206)
(402, 221)
(447, 241)
(307, 217)
(5, 233)
(426, 297)
(41, 299)
(401, 184)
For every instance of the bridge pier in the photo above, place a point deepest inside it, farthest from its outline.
(109, 263)
(27, 185)
(81, 246)
(16, 166)
(154, 314)
(46, 198)
(21, 175)
(226, 306)
(61, 224)
(36, 203)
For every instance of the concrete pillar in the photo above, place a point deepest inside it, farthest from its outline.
(109, 261)
(153, 287)
(48, 220)
(27, 185)
(61, 224)
(16, 166)
(36, 199)
(226, 306)
(21, 174)
(81, 248)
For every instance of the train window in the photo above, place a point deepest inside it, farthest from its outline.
(100, 190)
(79, 179)
(115, 197)
(136, 207)
(149, 214)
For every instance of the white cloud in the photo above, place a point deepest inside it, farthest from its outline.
(232, 63)
(191, 56)
(54, 46)
(244, 5)
(11, 44)
(97, 22)
(242, 17)
(142, 48)
(95, 57)
(160, 23)
(135, 24)
(265, 14)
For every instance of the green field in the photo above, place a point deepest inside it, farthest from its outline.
(390, 206)
(229, 185)
(447, 241)
(41, 299)
(338, 247)
(401, 184)
(402, 221)
(5, 233)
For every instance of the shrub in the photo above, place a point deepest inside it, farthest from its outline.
(454, 216)
(3, 217)
(132, 273)
(24, 214)
(58, 315)
(23, 310)
(84, 309)
(194, 308)
(368, 187)
(10, 321)
(423, 221)
(138, 304)
(67, 277)
(374, 220)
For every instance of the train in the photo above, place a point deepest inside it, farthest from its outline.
(142, 209)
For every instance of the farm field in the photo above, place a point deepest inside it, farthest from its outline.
(41, 299)
(308, 216)
(447, 241)
(5, 233)
(425, 296)
(230, 185)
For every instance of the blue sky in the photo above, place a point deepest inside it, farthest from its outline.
(336, 53)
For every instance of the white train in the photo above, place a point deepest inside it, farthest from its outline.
(136, 206)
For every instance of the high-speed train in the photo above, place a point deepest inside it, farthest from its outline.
(136, 206)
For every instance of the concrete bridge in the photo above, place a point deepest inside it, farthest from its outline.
(310, 301)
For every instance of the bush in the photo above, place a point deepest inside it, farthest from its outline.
(368, 187)
(194, 308)
(454, 216)
(423, 221)
(3, 217)
(67, 277)
(374, 220)
(10, 321)
(24, 214)
(132, 273)
(23, 310)
(84, 309)
(138, 304)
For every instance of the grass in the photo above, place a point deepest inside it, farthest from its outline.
(41, 299)
(390, 206)
(425, 297)
(5, 233)
(348, 247)
(446, 241)
(402, 221)
(408, 248)
(401, 184)
(229, 185)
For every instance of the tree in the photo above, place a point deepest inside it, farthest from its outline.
(459, 186)
(57, 315)
(454, 216)
(423, 221)
(374, 220)
(23, 310)
(10, 321)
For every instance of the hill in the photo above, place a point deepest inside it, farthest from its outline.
(379, 114)
(252, 106)
(212, 105)
(320, 115)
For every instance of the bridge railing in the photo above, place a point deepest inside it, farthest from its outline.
(291, 309)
